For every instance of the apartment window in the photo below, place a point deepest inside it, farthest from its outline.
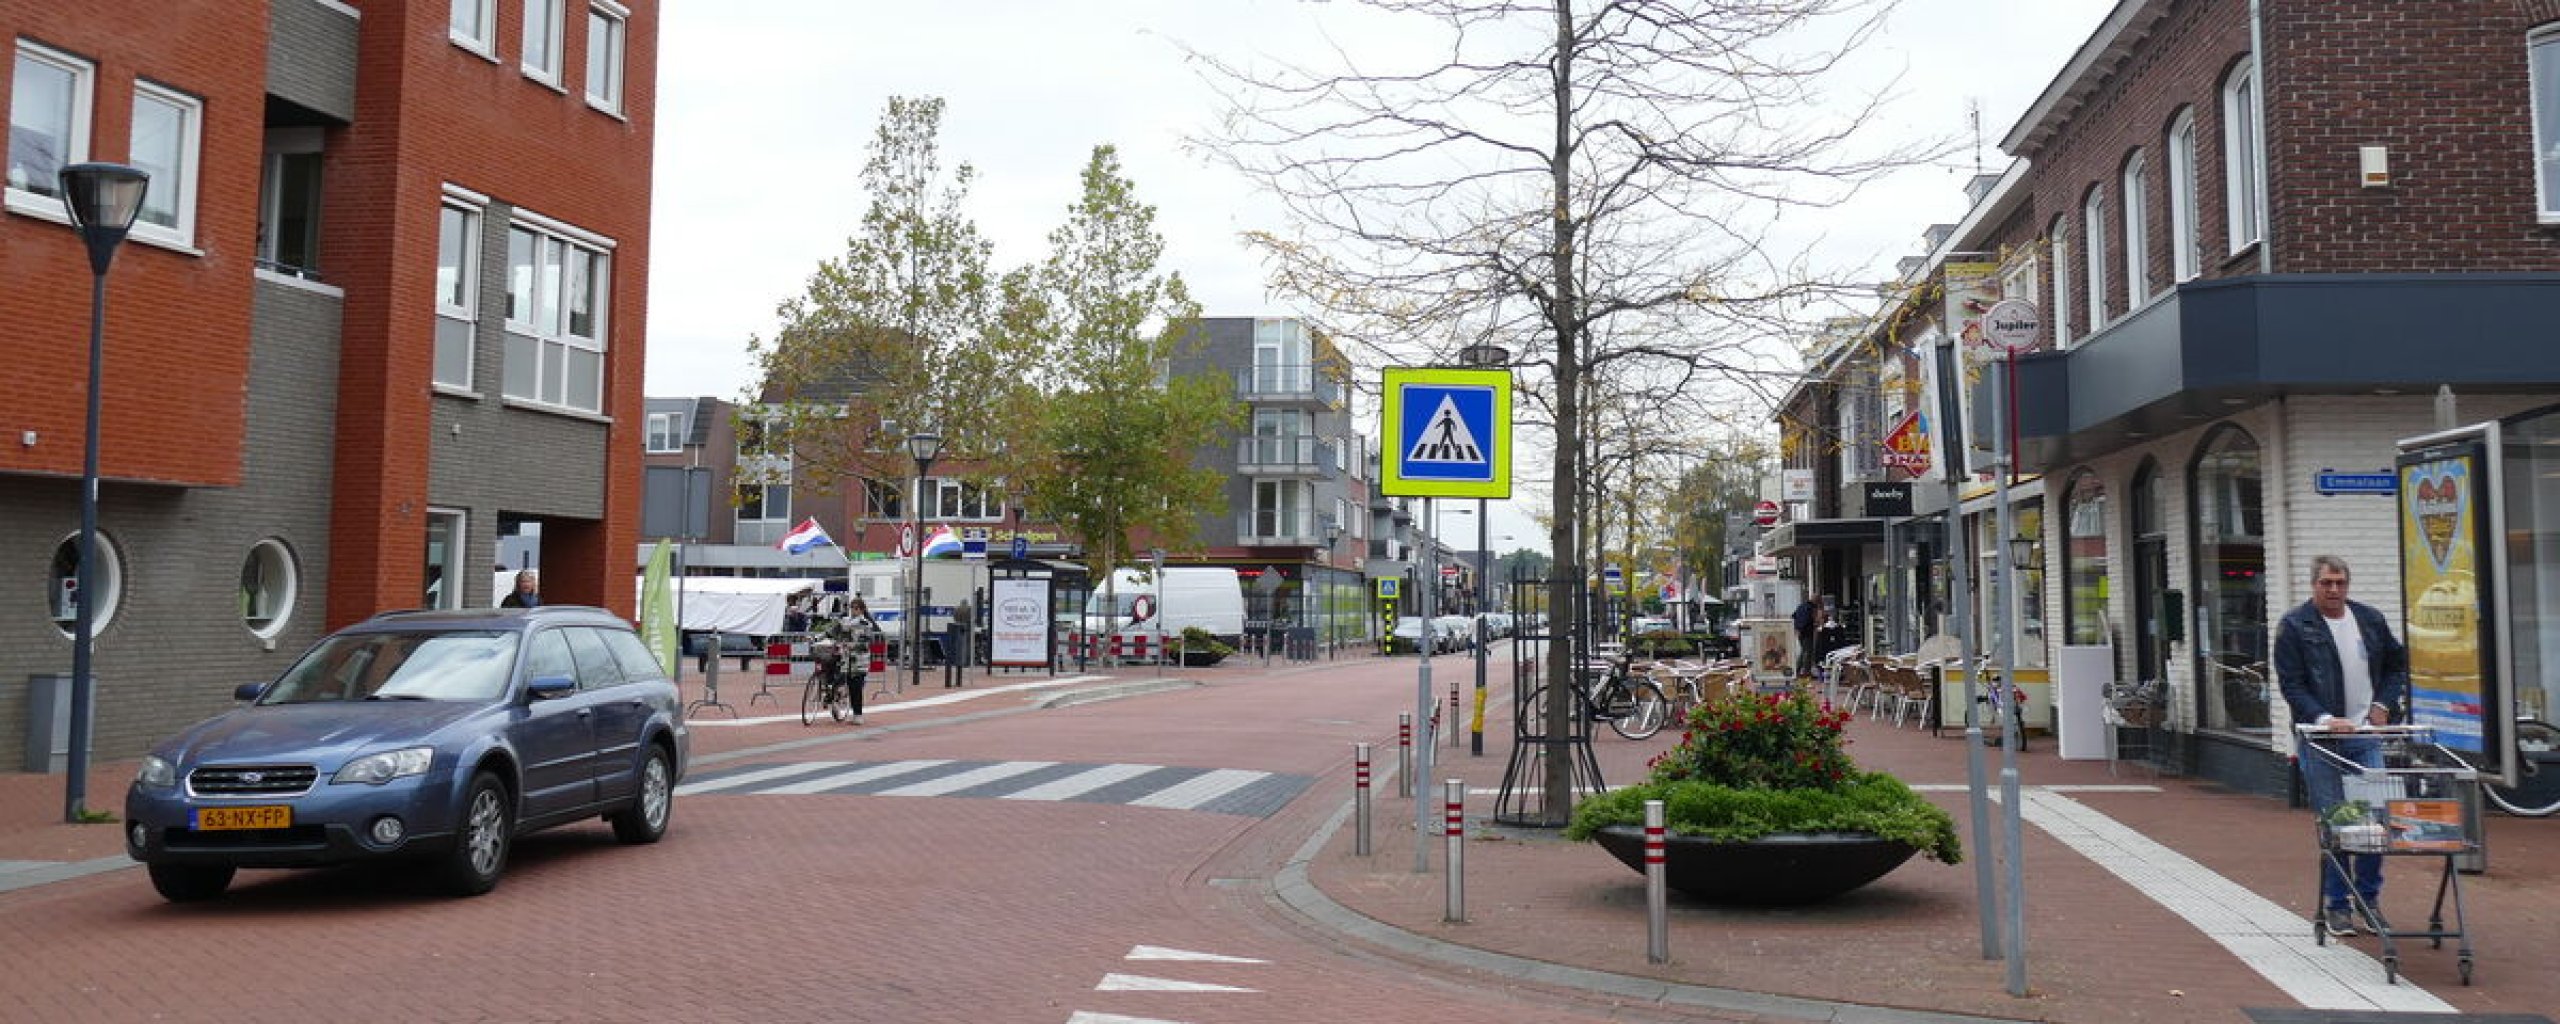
(445, 536)
(663, 438)
(457, 292)
(2059, 236)
(48, 125)
(605, 28)
(166, 125)
(763, 504)
(556, 287)
(960, 499)
(2093, 256)
(475, 25)
(2137, 237)
(289, 201)
(884, 499)
(1279, 509)
(267, 588)
(2183, 260)
(2243, 176)
(542, 39)
(2544, 67)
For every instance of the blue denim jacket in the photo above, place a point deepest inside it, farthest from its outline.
(2307, 666)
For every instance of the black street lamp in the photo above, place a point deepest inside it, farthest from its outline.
(925, 447)
(102, 199)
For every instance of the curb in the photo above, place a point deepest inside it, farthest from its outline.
(1112, 691)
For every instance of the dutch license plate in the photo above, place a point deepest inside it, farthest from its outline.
(213, 819)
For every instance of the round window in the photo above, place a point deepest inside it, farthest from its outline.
(62, 585)
(267, 588)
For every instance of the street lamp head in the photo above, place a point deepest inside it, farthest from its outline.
(103, 200)
(1484, 356)
(926, 446)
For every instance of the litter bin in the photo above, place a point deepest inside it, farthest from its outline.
(48, 748)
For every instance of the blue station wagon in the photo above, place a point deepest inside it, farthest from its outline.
(433, 736)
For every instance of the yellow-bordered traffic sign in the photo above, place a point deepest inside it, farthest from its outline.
(1446, 434)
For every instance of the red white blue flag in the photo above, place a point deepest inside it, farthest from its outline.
(805, 536)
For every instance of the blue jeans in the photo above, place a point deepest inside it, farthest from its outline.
(2322, 781)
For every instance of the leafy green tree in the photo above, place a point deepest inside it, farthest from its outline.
(1109, 443)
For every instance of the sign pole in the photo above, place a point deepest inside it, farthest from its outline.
(1422, 744)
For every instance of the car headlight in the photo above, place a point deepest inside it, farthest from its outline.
(156, 773)
(376, 769)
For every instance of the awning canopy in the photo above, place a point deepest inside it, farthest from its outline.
(1807, 534)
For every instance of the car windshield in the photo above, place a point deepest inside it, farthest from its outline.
(461, 665)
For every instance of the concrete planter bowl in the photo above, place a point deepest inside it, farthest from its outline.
(1782, 869)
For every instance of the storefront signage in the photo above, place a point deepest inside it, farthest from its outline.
(1887, 499)
(2011, 326)
(2444, 545)
(2330, 481)
(1764, 514)
(1907, 447)
(1795, 484)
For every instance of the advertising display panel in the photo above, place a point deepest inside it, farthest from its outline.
(2448, 577)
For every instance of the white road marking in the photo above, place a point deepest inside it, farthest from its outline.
(1142, 983)
(1090, 1017)
(2095, 787)
(953, 697)
(1200, 789)
(2270, 939)
(1163, 953)
(1082, 782)
(855, 777)
(958, 781)
(751, 778)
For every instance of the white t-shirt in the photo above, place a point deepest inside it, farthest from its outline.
(2355, 669)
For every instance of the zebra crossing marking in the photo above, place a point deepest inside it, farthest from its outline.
(1116, 982)
(1234, 791)
(1164, 953)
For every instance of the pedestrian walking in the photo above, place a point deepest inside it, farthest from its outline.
(2340, 668)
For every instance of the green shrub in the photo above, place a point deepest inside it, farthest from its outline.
(1871, 802)
(1196, 640)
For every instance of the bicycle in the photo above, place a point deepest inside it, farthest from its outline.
(833, 687)
(1633, 706)
(2531, 796)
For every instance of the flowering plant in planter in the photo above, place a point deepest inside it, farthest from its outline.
(1754, 765)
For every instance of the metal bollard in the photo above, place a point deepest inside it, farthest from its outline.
(1657, 914)
(1452, 802)
(1457, 736)
(1360, 799)
(1404, 754)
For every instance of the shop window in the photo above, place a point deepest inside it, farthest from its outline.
(2084, 561)
(2152, 611)
(2227, 507)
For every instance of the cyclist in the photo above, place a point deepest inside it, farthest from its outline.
(852, 634)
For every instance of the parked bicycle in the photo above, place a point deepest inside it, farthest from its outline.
(2534, 795)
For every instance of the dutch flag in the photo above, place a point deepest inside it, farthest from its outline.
(805, 536)
(942, 544)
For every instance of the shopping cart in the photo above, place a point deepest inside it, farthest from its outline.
(2409, 807)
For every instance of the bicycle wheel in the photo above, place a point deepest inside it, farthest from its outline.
(839, 697)
(1637, 707)
(811, 700)
(2536, 794)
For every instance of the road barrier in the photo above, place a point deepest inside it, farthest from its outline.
(1657, 915)
(1404, 754)
(1360, 799)
(1453, 795)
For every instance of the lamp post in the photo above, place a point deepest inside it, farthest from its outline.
(102, 199)
(1482, 357)
(924, 447)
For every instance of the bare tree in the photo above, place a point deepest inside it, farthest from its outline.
(1554, 169)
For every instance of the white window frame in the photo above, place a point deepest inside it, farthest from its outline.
(542, 318)
(2093, 256)
(486, 13)
(611, 54)
(1285, 513)
(662, 424)
(2137, 237)
(956, 500)
(2184, 261)
(2243, 175)
(84, 83)
(544, 20)
(455, 524)
(279, 585)
(177, 184)
(109, 577)
(2059, 237)
(766, 520)
(467, 312)
(284, 142)
(2540, 46)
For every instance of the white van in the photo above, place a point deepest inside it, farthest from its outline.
(1207, 597)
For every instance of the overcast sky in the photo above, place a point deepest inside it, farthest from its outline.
(764, 107)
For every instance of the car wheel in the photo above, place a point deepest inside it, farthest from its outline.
(190, 883)
(645, 821)
(481, 841)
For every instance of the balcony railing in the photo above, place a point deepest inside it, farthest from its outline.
(1292, 454)
(1293, 383)
(1269, 530)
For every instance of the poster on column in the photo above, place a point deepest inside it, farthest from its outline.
(1021, 624)
(2445, 562)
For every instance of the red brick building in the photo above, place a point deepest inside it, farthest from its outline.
(383, 320)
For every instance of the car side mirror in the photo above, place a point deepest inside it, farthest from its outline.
(548, 687)
(248, 692)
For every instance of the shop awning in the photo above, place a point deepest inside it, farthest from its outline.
(1807, 534)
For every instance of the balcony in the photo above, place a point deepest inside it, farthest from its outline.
(1272, 530)
(1305, 385)
(1284, 455)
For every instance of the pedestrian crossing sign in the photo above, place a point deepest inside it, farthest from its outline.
(1447, 434)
